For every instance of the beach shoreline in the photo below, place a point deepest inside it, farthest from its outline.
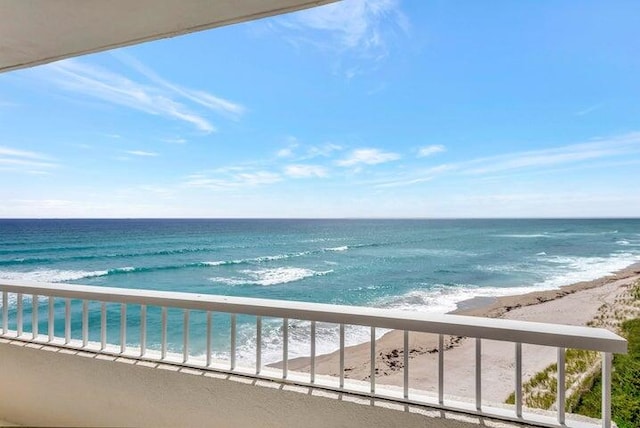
(574, 304)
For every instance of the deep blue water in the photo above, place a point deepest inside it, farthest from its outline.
(420, 265)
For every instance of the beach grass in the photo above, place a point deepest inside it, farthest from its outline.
(625, 384)
(582, 368)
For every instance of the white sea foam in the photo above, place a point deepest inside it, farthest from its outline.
(524, 235)
(541, 253)
(274, 276)
(577, 269)
(343, 248)
(327, 339)
(51, 275)
(623, 242)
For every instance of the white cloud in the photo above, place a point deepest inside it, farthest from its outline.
(355, 25)
(232, 179)
(574, 153)
(323, 150)
(305, 171)
(533, 161)
(421, 176)
(368, 157)
(587, 110)
(141, 153)
(203, 98)
(176, 140)
(25, 161)
(430, 150)
(156, 97)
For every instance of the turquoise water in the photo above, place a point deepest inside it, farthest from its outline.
(417, 265)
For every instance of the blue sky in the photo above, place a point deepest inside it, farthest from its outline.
(376, 108)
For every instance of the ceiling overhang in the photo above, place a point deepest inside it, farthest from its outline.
(34, 32)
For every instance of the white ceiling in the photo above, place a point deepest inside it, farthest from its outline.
(35, 32)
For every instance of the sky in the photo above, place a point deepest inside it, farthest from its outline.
(362, 108)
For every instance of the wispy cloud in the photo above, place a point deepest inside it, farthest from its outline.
(528, 161)
(357, 25)
(141, 153)
(587, 110)
(233, 179)
(203, 98)
(176, 140)
(357, 34)
(156, 96)
(616, 146)
(306, 171)
(289, 150)
(430, 150)
(25, 161)
(368, 157)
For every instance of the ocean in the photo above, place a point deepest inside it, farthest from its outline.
(413, 265)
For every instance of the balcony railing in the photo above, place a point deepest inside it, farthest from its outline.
(32, 299)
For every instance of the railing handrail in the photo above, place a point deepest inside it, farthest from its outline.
(565, 336)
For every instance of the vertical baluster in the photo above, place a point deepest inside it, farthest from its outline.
(372, 375)
(561, 388)
(233, 342)
(5, 312)
(67, 321)
(606, 389)
(85, 323)
(285, 348)
(209, 332)
(51, 323)
(440, 369)
(143, 330)
(341, 355)
(163, 340)
(19, 322)
(258, 344)
(478, 373)
(34, 317)
(518, 389)
(185, 336)
(103, 326)
(405, 383)
(123, 327)
(312, 372)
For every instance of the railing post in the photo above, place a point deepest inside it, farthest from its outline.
(34, 317)
(103, 325)
(185, 336)
(373, 360)
(143, 330)
(5, 312)
(341, 356)
(209, 328)
(285, 348)
(123, 327)
(518, 390)
(405, 381)
(440, 369)
(19, 315)
(561, 386)
(163, 334)
(233, 342)
(85, 323)
(312, 371)
(478, 373)
(51, 322)
(258, 344)
(67, 321)
(606, 389)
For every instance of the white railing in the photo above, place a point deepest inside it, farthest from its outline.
(518, 332)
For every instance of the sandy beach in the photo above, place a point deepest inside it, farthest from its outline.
(576, 304)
